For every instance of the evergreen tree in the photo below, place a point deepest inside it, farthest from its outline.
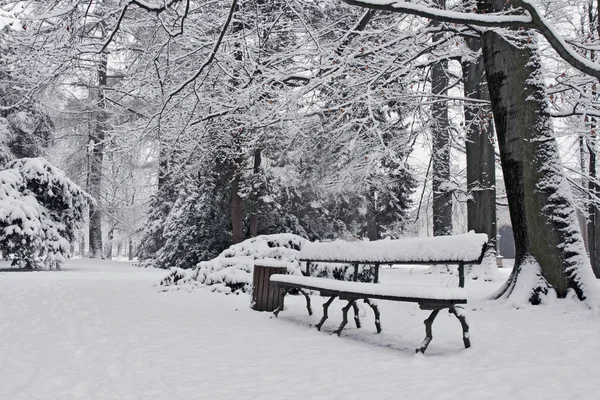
(41, 211)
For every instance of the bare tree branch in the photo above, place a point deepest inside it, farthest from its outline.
(212, 55)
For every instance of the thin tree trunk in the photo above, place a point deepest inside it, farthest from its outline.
(237, 202)
(96, 156)
(108, 251)
(549, 248)
(593, 223)
(237, 209)
(481, 162)
(442, 195)
(131, 252)
(254, 216)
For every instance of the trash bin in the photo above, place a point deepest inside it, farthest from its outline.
(265, 295)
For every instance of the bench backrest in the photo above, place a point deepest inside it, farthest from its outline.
(466, 248)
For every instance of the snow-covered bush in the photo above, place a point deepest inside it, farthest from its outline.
(40, 211)
(232, 269)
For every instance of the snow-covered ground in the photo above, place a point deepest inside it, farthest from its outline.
(102, 330)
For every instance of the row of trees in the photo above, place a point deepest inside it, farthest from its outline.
(264, 116)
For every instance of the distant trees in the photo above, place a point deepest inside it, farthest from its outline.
(25, 129)
(267, 117)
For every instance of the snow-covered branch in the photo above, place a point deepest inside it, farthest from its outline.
(492, 20)
(531, 19)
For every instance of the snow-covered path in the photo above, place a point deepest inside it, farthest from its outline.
(101, 330)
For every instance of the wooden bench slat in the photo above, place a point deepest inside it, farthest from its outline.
(356, 290)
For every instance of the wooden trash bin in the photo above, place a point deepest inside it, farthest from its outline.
(265, 295)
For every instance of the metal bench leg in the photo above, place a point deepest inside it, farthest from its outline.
(345, 317)
(307, 297)
(459, 313)
(428, 334)
(325, 315)
(280, 306)
(356, 317)
(373, 305)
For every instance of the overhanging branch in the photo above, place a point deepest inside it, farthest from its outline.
(531, 20)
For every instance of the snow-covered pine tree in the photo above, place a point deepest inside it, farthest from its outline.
(41, 210)
(197, 227)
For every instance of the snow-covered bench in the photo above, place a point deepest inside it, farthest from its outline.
(459, 249)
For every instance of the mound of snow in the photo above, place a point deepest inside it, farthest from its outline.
(231, 270)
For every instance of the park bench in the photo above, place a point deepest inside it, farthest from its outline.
(458, 249)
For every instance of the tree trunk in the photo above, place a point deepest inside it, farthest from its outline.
(237, 202)
(481, 160)
(373, 229)
(163, 165)
(254, 216)
(549, 248)
(442, 195)
(593, 223)
(237, 206)
(131, 252)
(96, 156)
(108, 251)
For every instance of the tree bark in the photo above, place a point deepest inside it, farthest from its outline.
(254, 216)
(97, 137)
(442, 195)
(237, 202)
(542, 215)
(237, 206)
(481, 158)
(131, 252)
(593, 223)
(108, 250)
(373, 229)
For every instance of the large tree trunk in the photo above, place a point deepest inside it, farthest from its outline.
(481, 166)
(442, 195)
(550, 252)
(373, 229)
(593, 223)
(96, 155)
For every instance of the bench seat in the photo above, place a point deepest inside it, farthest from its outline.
(428, 297)
(395, 292)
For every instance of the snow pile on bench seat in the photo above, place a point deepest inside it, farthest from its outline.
(375, 290)
(457, 248)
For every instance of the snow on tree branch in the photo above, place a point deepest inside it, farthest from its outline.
(532, 19)
(492, 20)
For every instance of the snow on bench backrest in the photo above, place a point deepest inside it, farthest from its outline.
(467, 248)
